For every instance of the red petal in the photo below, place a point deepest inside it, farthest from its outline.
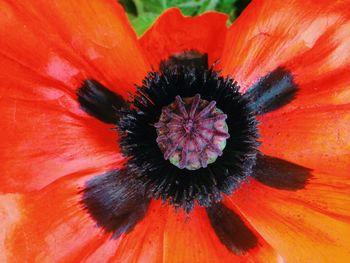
(48, 48)
(145, 242)
(44, 135)
(173, 33)
(104, 253)
(192, 239)
(11, 212)
(51, 224)
(331, 88)
(311, 42)
(73, 41)
(317, 138)
(164, 236)
(305, 225)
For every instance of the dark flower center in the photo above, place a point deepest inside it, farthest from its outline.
(192, 132)
(175, 135)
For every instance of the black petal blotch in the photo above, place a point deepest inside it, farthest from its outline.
(231, 230)
(191, 58)
(272, 91)
(99, 102)
(280, 174)
(116, 201)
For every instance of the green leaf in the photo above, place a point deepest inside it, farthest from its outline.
(129, 6)
(142, 23)
(228, 7)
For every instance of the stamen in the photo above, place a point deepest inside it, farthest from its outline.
(175, 135)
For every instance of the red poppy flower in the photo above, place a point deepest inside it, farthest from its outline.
(253, 153)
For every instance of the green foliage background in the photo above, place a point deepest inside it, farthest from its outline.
(143, 13)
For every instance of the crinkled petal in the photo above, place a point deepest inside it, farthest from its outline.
(50, 224)
(72, 41)
(44, 135)
(173, 33)
(48, 48)
(192, 239)
(146, 242)
(307, 225)
(311, 42)
(317, 138)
